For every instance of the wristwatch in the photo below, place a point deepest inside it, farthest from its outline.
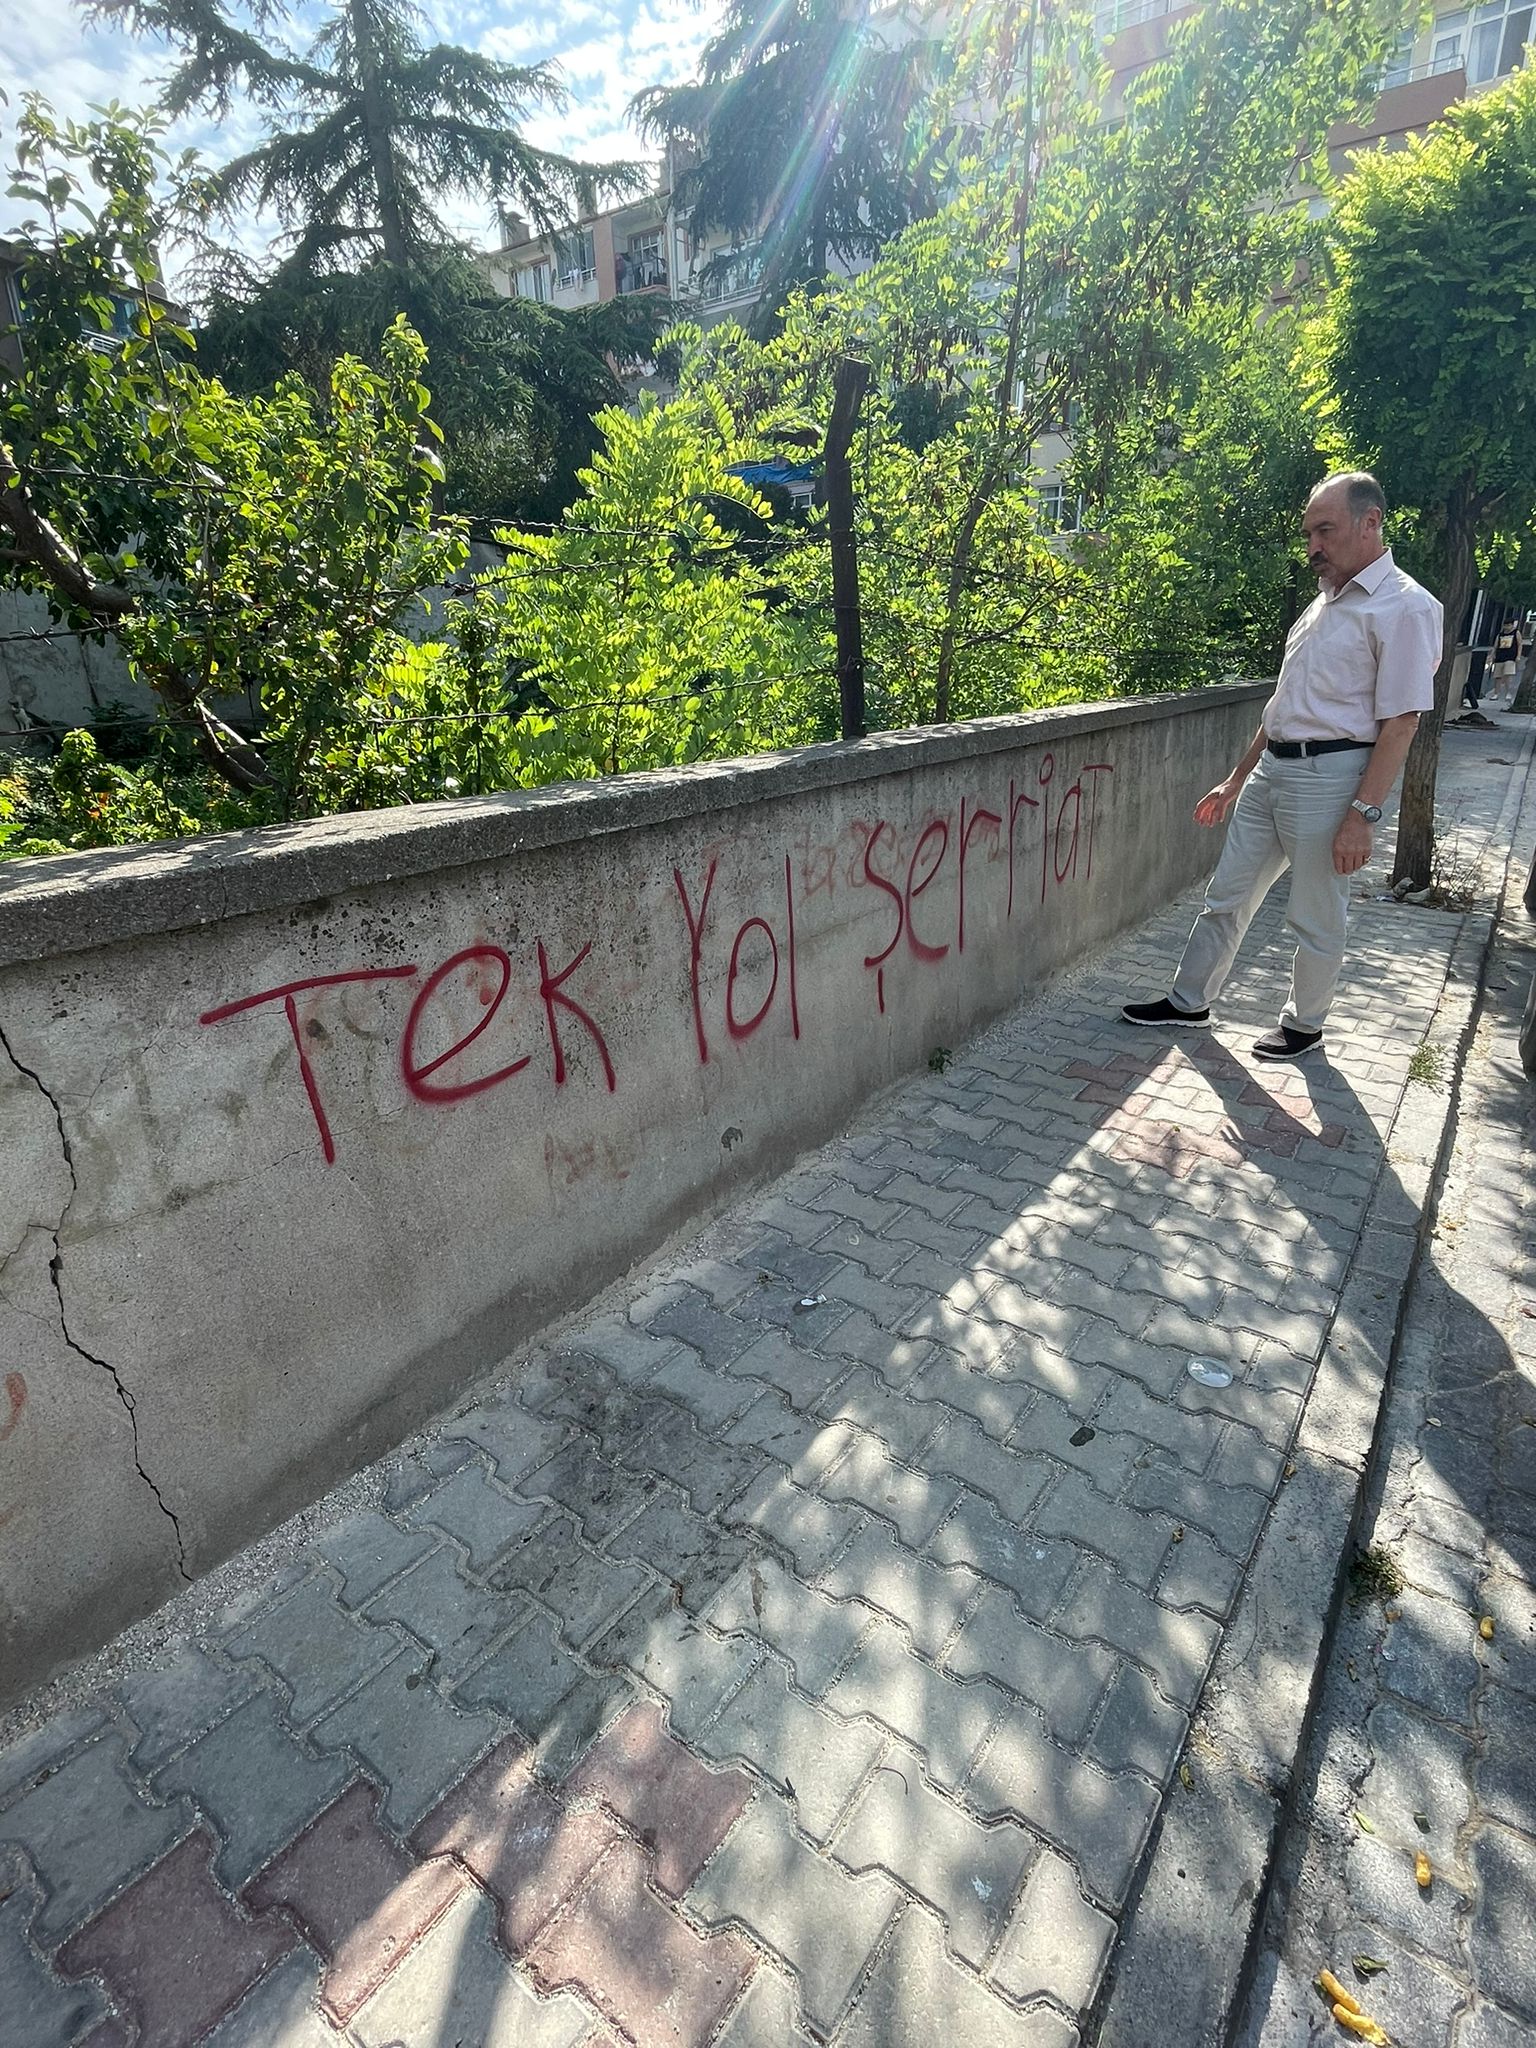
(1370, 812)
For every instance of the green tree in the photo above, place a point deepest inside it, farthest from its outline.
(267, 548)
(810, 126)
(371, 129)
(1427, 352)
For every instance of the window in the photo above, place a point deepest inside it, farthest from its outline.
(578, 264)
(1499, 33)
(533, 282)
(1061, 511)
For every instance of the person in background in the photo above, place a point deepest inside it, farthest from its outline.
(1309, 792)
(1504, 667)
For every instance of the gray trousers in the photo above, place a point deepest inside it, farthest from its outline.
(1285, 817)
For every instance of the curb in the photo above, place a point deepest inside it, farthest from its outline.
(1183, 1962)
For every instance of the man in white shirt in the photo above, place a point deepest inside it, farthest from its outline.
(1359, 668)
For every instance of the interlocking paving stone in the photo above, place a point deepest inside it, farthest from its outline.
(584, 1591)
(691, 1668)
(515, 1439)
(475, 1512)
(1057, 1944)
(1137, 1728)
(456, 1621)
(1079, 1514)
(679, 1809)
(813, 1634)
(944, 1719)
(1065, 1680)
(716, 1337)
(456, 1989)
(969, 1873)
(822, 1923)
(710, 1396)
(256, 1782)
(916, 1502)
(86, 1830)
(316, 1647)
(995, 1399)
(356, 1897)
(1101, 1822)
(39, 2011)
(601, 1495)
(524, 1678)
(407, 1736)
(711, 1474)
(965, 1453)
(644, 1968)
(901, 1425)
(279, 2012)
(915, 1979)
(45, 1748)
(766, 2015)
(175, 1953)
(178, 1699)
(816, 1758)
(527, 1850)
(927, 1599)
(367, 1550)
(1231, 1515)
(692, 1554)
(1032, 1567)
(1176, 1646)
(809, 1529)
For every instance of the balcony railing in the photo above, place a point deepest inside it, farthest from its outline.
(1123, 14)
(1410, 74)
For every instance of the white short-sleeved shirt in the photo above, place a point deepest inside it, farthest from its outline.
(1353, 659)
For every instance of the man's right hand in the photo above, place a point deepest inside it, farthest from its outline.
(1215, 807)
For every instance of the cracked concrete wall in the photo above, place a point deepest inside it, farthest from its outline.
(302, 1132)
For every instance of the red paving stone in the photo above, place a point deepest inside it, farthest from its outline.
(174, 1952)
(358, 1899)
(528, 1851)
(646, 1971)
(1177, 1152)
(680, 1810)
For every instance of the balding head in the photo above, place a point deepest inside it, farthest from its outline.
(1342, 526)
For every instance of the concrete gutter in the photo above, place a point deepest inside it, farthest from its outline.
(73, 902)
(1185, 1958)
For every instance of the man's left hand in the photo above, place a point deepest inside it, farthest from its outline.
(1352, 844)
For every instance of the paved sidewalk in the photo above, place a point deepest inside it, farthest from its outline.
(1426, 1735)
(799, 1649)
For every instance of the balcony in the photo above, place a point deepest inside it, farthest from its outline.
(641, 274)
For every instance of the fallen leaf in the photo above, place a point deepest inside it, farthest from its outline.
(1349, 1666)
(1367, 1965)
(1178, 1534)
(1424, 1871)
(1393, 1613)
(1186, 1777)
(1366, 1822)
(1485, 1628)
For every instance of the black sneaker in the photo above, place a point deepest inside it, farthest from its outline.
(1287, 1044)
(1163, 1011)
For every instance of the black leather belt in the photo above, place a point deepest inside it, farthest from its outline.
(1293, 750)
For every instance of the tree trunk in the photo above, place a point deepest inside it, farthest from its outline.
(1414, 858)
(376, 128)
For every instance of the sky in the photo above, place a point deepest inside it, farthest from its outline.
(605, 51)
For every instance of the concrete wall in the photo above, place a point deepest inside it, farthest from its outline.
(303, 1130)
